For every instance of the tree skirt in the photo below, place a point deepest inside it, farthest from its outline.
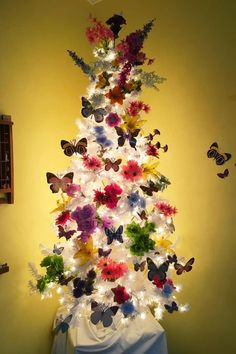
(138, 337)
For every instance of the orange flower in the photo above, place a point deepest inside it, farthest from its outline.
(115, 95)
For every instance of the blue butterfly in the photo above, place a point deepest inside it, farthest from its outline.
(63, 325)
(114, 235)
(103, 313)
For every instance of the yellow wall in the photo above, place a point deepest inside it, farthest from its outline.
(194, 43)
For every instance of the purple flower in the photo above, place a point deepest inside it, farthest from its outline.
(88, 211)
(113, 119)
(107, 222)
(86, 220)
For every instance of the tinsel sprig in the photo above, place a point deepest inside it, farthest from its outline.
(87, 69)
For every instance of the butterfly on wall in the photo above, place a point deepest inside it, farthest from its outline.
(57, 250)
(139, 266)
(114, 235)
(103, 80)
(171, 308)
(104, 253)
(114, 165)
(172, 259)
(223, 174)
(150, 188)
(103, 313)
(57, 183)
(63, 325)
(184, 268)
(88, 110)
(143, 215)
(153, 270)
(213, 153)
(130, 136)
(64, 233)
(74, 147)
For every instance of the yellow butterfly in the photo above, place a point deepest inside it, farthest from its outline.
(150, 168)
(86, 251)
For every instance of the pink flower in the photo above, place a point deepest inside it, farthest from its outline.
(132, 171)
(106, 222)
(152, 150)
(113, 120)
(109, 197)
(113, 188)
(166, 209)
(98, 32)
(135, 107)
(73, 190)
(104, 262)
(92, 163)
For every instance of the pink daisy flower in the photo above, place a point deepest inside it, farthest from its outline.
(92, 163)
(132, 171)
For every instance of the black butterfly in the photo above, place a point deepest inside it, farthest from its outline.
(72, 147)
(172, 259)
(150, 189)
(157, 271)
(184, 268)
(139, 266)
(223, 174)
(115, 22)
(131, 136)
(63, 325)
(213, 153)
(171, 308)
(63, 233)
(88, 110)
(103, 253)
(103, 313)
(64, 281)
(57, 183)
(114, 235)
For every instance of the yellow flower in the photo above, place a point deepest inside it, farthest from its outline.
(132, 123)
(150, 168)
(61, 204)
(86, 251)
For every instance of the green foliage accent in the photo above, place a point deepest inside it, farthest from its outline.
(54, 268)
(140, 237)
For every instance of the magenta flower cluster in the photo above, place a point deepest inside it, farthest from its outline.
(86, 220)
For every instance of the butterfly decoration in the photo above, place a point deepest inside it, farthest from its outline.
(130, 136)
(115, 23)
(103, 313)
(172, 259)
(157, 271)
(64, 281)
(71, 148)
(114, 235)
(104, 253)
(88, 110)
(223, 174)
(171, 308)
(213, 153)
(86, 251)
(64, 233)
(139, 266)
(4, 268)
(57, 183)
(63, 325)
(184, 268)
(57, 250)
(114, 165)
(150, 188)
(143, 215)
(103, 80)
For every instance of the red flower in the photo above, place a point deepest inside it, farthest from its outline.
(132, 171)
(113, 188)
(136, 106)
(166, 209)
(92, 163)
(152, 150)
(63, 218)
(159, 283)
(115, 95)
(109, 197)
(120, 294)
(99, 197)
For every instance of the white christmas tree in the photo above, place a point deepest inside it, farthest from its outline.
(115, 254)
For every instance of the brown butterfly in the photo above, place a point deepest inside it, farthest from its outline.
(103, 80)
(139, 266)
(220, 158)
(72, 147)
(115, 165)
(184, 268)
(143, 215)
(57, 183)
(150, 188)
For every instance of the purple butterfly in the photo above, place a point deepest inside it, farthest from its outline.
(104, 253)
(224, 174)
(63, 233)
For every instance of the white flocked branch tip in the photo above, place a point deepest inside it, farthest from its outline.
(93, 2)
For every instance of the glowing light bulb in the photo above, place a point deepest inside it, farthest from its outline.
(62, 300)
(143, 315)
(59, 290)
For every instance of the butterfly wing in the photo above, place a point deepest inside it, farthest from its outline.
(68, 148)
(108, 164)
(96, 316)
(161, 271)
(54, 182)
(103, 253)
(179, 268)
(87, 109)
(224, 174)
(66, 180)
(57, 250)
(188, 265)
(107, 318)
(118, 234)
(132, 138)
(110, 235)
(147, 190)
(116, 164)
(81, 146)
(153, 270)
(63, 233)
(121, 134)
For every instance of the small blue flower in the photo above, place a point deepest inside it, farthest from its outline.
(133, 199)
(127, 308)
(108, 143)
(99, 130)
(142, 203)
(101, 139)
(167, 290)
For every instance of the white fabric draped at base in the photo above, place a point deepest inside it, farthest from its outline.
(139, 337)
